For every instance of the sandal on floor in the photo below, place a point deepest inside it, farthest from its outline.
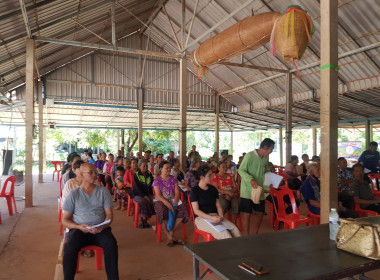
(171, 243)
(179, 242)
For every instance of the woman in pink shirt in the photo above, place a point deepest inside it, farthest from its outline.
(292, 174)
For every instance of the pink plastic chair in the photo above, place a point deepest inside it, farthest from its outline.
(57, 169)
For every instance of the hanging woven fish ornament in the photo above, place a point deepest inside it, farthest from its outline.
(291, 34)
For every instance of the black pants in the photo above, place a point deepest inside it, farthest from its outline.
(77, 240)
(102, 178)
(374, 207)
(294, 184)
(288, 209)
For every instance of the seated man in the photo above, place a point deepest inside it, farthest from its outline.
(362, 191)
(311, 191)
(85, 206)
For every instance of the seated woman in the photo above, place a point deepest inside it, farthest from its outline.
(345, 179)
(304, 164)
(206, 205)
(292, 174)
(167, 192)
(228, 192)
(74, 182)
(191, 177)
(143, 193)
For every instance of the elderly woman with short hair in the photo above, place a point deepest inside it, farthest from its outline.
(192, 177)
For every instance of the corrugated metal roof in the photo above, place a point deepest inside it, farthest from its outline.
(359, 74)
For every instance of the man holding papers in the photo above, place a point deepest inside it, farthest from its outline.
(252, 171)
(84, 207)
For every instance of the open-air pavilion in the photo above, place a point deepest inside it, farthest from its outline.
(127, 64)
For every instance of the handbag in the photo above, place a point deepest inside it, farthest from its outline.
(359, 238)
(256, 194)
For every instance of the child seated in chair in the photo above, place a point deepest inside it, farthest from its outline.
(120, 189)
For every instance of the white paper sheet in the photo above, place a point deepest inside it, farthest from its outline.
(218, 227)
(99, 225)
(272, 178)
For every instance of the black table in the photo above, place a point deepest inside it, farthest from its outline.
(303, 253)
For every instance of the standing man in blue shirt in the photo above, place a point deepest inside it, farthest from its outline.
(370, 158)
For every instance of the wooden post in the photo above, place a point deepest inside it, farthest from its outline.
(329, 107)
(182, 111)
(123, 142)
(217, 110)
(260, 137)
(288, 118)
(232, 143)
(118, 139)
(41, 140)
(314, 137)
(140, 107)
(29, 121)
(44, 155)
(368, 132)
(281, 147)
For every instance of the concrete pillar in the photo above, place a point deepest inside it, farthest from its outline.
(29, 121)
(182, 112)
(288, 118)
(329, 107)
(41, 140)
(217, 111)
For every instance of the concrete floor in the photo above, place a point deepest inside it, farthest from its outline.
(29, 244)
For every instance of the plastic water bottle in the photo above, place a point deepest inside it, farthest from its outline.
(333, 223)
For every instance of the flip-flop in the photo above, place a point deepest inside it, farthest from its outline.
(179, 242)
(171, 243)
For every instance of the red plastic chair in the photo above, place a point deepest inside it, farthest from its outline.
(373, 178)
(159, 231)
(316, 218)
(206, 236)
(159, 228)
(363, 213)
(57, 169)
(9, 195)
(98, 256)
(297, 193)
(292, 220)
